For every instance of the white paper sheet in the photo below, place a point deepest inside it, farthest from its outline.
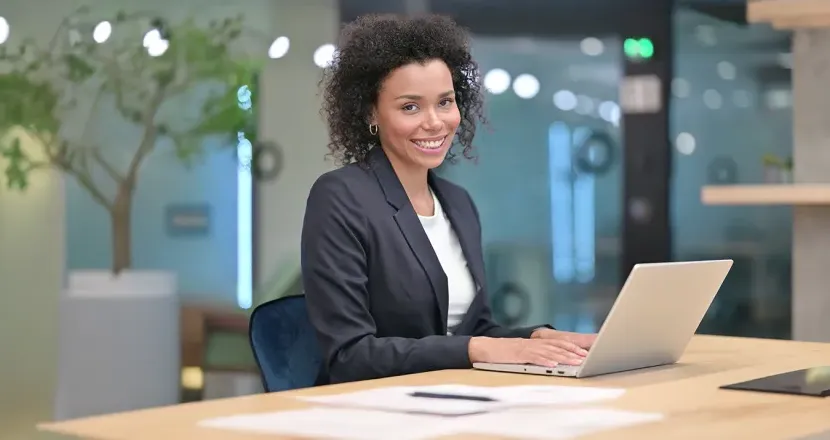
(551, 423)
(398, 399)
(347, 424)
(548, 423)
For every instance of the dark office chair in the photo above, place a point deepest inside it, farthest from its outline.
(284, 344)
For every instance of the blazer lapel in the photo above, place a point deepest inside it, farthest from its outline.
(461, 218)
(412, 230)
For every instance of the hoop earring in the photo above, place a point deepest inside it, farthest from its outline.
(373, 129)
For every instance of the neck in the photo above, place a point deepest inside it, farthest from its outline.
(413, 179)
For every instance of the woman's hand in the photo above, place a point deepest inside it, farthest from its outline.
(583, 340)
(545, 352)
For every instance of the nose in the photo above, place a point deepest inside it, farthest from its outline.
(432, 122)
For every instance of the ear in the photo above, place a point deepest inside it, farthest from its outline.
(373, 117)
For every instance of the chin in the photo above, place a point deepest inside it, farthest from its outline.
(431, 161)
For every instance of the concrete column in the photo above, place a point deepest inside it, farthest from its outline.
(811, 150)
(289, 114)
(32, 249)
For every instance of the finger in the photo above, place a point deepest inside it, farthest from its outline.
(545, 361)
(571, 361)
(574, 348)
(562, 356)
(569, 346)
(558, 354)
(585, 341)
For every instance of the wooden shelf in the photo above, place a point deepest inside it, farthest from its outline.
(790, 14)
(792, 194)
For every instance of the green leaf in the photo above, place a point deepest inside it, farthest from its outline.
(18, 166)
(78, 69)
(26, 103)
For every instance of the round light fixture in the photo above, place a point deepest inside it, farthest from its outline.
(279, 48)
(324, 55)
(497, 81)
(102, 32)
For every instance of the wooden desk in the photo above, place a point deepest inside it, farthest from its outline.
(687, 393)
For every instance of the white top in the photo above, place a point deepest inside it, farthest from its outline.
(462, 288)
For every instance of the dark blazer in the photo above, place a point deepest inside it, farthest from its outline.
(376, 292)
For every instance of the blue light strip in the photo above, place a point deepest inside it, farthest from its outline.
(584, 211)
(561, 201)
(244, 225)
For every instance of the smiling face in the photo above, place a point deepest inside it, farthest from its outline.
(417, 115)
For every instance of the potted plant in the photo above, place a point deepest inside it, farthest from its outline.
(44, 92)
(45, 85)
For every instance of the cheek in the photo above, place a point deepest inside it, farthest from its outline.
(453, 118)
(402, 126)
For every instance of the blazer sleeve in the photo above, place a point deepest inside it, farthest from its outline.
(334, 248)
(485, 326)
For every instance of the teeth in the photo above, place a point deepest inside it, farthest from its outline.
(429, 144)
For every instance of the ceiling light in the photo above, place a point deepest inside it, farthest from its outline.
(712, 99)
(324, 55)
(102, 32)
(496, 81)
(158, 48)
(156, 45)
(609, 111)
(685, 143)
(584, 105)
(592, 46)
(279, 48)
(680, 87)
(151, 37)
(727, 70)
(565, 100)
(4, 30)
(526, 86)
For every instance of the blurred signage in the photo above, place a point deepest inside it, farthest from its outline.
(188, 220)
(641, 94)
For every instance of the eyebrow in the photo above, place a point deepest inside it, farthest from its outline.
(416, 97)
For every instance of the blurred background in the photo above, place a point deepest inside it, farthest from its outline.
(608, 118)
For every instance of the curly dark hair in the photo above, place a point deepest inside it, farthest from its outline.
(369, 49)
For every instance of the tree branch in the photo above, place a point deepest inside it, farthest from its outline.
(85, 180)
(60, 157)
(148, 141)
(108, 167)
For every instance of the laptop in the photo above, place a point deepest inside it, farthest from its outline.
(650, 324)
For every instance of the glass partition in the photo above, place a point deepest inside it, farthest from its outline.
(731, 120)
(547, 178)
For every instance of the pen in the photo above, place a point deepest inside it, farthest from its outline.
(451, 396)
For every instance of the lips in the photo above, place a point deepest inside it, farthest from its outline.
(429, 144)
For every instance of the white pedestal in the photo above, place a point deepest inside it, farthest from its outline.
(119, 343)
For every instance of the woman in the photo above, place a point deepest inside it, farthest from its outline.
(391, 254)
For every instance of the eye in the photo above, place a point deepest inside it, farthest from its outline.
(446, 102)
(409, 107)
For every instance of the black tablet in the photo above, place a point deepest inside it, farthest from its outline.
(808, 382)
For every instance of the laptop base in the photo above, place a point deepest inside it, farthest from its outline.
(561, 371)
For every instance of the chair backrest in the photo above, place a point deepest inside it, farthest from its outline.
(284, 344)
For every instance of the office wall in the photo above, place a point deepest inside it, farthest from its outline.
(31, 277)
(289, 115)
